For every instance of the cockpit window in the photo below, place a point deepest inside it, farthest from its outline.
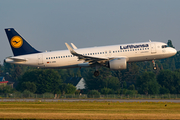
(164, 46)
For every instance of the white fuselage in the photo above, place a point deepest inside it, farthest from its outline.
(64, 59)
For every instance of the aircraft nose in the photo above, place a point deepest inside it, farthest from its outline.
(174, 51)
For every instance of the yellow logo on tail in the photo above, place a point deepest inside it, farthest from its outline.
(16, 42)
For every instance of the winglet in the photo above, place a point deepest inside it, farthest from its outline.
(74, 47)
(70, 48)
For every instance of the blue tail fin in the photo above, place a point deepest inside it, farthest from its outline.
(18, 44)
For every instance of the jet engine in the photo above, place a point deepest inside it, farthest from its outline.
(117, 64)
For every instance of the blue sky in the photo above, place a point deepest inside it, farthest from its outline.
(48, 24)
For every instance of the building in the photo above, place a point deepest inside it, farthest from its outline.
(76, 81)
(3, 82)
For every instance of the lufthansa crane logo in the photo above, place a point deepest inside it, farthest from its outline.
(16, 42)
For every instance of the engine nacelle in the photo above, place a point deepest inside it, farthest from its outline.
(117, 64)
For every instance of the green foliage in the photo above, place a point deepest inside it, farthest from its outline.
(131, 92)
(131, 87)
(48, 95)
(164, 90)
(169, 43)
(106, 91)
(45, 80)
(27, 94)
(170, 81)
(6, 89)
(99, 82)
(124, 84)
(30, 86)
(67, 88)
(93, 93)
(147, 84)
(78, 92)
(70, 89)
(15, 71)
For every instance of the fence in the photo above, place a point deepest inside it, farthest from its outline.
(85, 96)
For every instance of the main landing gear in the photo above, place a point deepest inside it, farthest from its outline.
(96, 73)
(154, 65)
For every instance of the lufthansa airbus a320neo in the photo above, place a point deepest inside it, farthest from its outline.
(114, 57)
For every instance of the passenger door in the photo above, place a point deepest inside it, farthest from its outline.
(40, 59)
(153, 48)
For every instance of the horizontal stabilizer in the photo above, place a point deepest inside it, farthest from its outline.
(15, 59)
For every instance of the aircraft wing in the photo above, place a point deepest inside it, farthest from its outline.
(89, 59)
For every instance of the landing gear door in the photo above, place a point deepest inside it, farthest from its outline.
(40, 59)
(153, 48)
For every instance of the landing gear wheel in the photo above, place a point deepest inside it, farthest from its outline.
(96, 73)
(154, 68)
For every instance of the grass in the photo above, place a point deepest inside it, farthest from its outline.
(89, 110)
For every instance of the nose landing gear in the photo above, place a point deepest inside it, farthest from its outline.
(154, 65)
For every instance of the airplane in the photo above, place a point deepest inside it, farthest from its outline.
(115, 57)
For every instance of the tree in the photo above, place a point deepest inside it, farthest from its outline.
(106, 91)
(67, 88)
(170, 44)
(6, 89)
(131, 87)
(111, 82)
(147, 83)
(45, 80)
(30, 86)
(166, 79)
(93, 93)
(97, 83)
